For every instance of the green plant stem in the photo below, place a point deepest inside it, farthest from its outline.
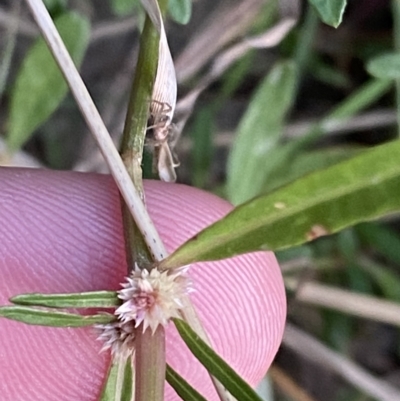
(150, 357)
(139, 103)
(134, 135)
(396, 33)
(150, 349)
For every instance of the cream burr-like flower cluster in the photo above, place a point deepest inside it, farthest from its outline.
(149, 297)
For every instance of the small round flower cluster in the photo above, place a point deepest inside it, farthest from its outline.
(149, 297)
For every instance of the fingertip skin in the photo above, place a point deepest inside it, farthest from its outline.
(62, 232)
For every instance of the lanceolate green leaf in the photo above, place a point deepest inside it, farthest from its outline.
(260, 130)
(181, 386)
(41, 317)
(119, 382)
(331, 11)
(360, 189)
(215, 365)
(40, 86)
(95, 299)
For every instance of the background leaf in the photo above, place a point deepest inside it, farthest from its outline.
(40, 87)
(215, 365)
(180, 10)
(331, 11)
(388, 281)
(359, 189)
(259, 132)
(124, 7)
(41, 317)
(55, 6)
(385, 66)
(381, 238)
(202, 146)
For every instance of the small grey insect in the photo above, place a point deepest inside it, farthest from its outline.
(161, 138)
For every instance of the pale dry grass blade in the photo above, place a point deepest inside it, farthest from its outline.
(227, 23)
(374, 119)
(363, 306)
(313, 350)
(226, 59)
(25, 27)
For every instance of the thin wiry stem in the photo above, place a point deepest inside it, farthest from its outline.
(98, 129)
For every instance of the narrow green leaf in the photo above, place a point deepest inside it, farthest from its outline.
(181, 386)
(215, 365)
(330, 11)
(258, 133)
(360, 99)
(41, 317)
(94, 299)
(385, 66)
(180, 10)
(119, 382)
(40, 86)
(360, 189)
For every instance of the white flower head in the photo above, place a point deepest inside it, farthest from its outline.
(154, 297)
(117, 337)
